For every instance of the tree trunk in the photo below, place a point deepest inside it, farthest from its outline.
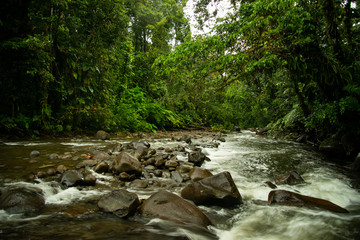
(300, 97)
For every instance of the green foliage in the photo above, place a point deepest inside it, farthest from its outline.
(135, 112)
(133, 66)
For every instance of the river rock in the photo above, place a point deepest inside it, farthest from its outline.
(198, 173)
(160, 160)
(158, 173)
(61, 169)
(166, 174)
(119, 202)
(185, 167)
(71, 178)
(118, 147)
(139, 183)
(101, 156)
(141, 144)
(219, 190)
(271, 185)
(102, 167)
(51, 172)
(87, 163)
(177, 176)
(172, 163)
(150, 168)
(141, 152)
(53, 156)
(168, 206)
(150, 161)
(34, 154)
(283, 197)
(102, 135)
(41, 174)
(89, 180)
(196, 157)
(22, 200)
(124, 162)
(290, 178)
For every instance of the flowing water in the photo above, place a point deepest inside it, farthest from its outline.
(72, 213)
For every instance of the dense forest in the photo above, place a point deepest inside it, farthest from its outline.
(134, 65)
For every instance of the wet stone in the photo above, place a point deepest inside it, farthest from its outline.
(34, 154)
(101, 167)
(89, 180)
(139, 183)
(51, 172)
(119, 202)
(166, 174)
(61, 169)
(177, 176)
(53, 156)
(150, 167)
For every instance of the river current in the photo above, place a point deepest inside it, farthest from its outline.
(251, 160)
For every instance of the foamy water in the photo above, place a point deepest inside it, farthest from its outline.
(250, 167)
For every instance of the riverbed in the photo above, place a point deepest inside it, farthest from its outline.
(251, 160)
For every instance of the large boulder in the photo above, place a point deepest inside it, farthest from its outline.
(198, 173)
(102, 135)
(124, 162)
(22, 200)
(196, 157)
(283, 197)
(168, 206)
(219, 190)
(290, 178)
(119, 202)
(72, 178)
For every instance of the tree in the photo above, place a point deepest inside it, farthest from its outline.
(311, 41)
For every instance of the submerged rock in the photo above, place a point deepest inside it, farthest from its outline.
(34, 154)
(168, 206)
(119, 202)
(219, 190)
(271, 185)
(290, 178)
(288, 198)
(53, 156)
(22, 200)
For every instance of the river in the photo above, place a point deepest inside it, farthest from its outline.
(252, 160)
